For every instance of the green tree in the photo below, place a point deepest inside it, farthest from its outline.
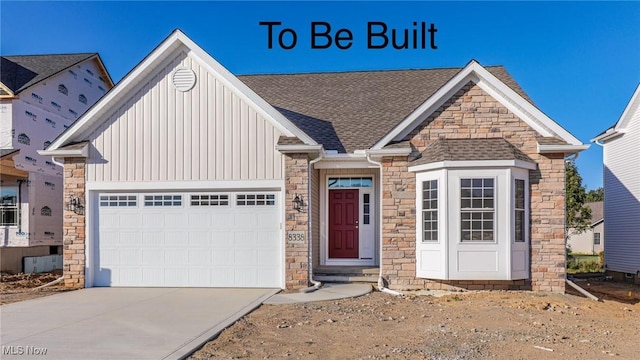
(595, 195)
(578, 215)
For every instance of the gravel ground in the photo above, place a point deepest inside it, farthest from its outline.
(469, 325)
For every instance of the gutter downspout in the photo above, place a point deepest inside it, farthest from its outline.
(316, 284)
(381, 286)
(53, 160)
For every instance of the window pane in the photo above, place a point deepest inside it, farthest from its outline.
(430, 210)
(9, 196)
(477, 209)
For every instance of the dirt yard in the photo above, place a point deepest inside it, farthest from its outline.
(470, 325)
(19, 287)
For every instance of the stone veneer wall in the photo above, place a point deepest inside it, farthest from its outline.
(471, 114)
(296, 254)
(73, 263)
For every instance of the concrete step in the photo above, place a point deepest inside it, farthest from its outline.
(345, 278)
(346, 270)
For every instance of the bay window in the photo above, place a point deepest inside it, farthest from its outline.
(472, 220)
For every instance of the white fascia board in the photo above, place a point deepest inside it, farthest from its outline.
(628, 112)
(228, 185)
(474, 164)
(427, 108)
(344, 161)
(494, 87)
(299, 148)
(158, 55)
(521, 107)
(570, 149)
(100, 107)
(389, 152)
(82, 152)
(608, 135)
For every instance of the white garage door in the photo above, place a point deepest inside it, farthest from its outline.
(212, 239)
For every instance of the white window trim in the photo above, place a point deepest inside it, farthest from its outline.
(442, 260)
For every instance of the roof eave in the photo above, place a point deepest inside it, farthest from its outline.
(299, 148)
(82, 152)
(452, 164)
(566, 149)
(389, 152)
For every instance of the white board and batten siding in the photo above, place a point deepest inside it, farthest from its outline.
(622, 199)
(162, 134)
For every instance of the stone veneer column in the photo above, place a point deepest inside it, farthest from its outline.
(296, 254)
(548, 264)
(73, 225)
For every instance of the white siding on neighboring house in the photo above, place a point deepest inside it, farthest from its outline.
(162, 134)
(622, 199)
(583, 243)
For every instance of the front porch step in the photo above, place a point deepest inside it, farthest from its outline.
(345, 279)
(367, 274)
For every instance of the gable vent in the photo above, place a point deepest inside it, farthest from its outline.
(184, 79)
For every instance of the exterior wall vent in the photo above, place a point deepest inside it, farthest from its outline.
(184, 79)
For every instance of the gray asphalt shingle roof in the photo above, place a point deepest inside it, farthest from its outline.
(469, 150)
(21, 71)
(346, 111)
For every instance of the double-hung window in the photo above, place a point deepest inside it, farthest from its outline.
(9, 212)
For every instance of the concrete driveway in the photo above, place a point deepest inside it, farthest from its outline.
(122, 323)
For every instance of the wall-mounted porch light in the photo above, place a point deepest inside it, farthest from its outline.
(75, 205)
(298, 203)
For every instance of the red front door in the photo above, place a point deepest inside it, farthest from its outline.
(343, 224)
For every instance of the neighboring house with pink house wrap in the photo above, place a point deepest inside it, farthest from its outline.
(432, 178)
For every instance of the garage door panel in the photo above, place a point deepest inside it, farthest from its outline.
(200, 257)
(199, 238)
(153, 220)
(151, 276)
(176, 256)
(199, 276)
(222, 239)
(222, 258)
(153, 257)
(245, 257)
(221, 220)
(245, 239)
(153, 238)
(265, 257)
(223, 277)
(200, 220)
(247, 276)
(263, 239)
(246, 219)
(194, 242)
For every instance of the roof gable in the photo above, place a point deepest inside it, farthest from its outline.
(23, 71)
(632, 111)
(176, 42)
(500, 91)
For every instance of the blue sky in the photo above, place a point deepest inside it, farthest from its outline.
(578, 61)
